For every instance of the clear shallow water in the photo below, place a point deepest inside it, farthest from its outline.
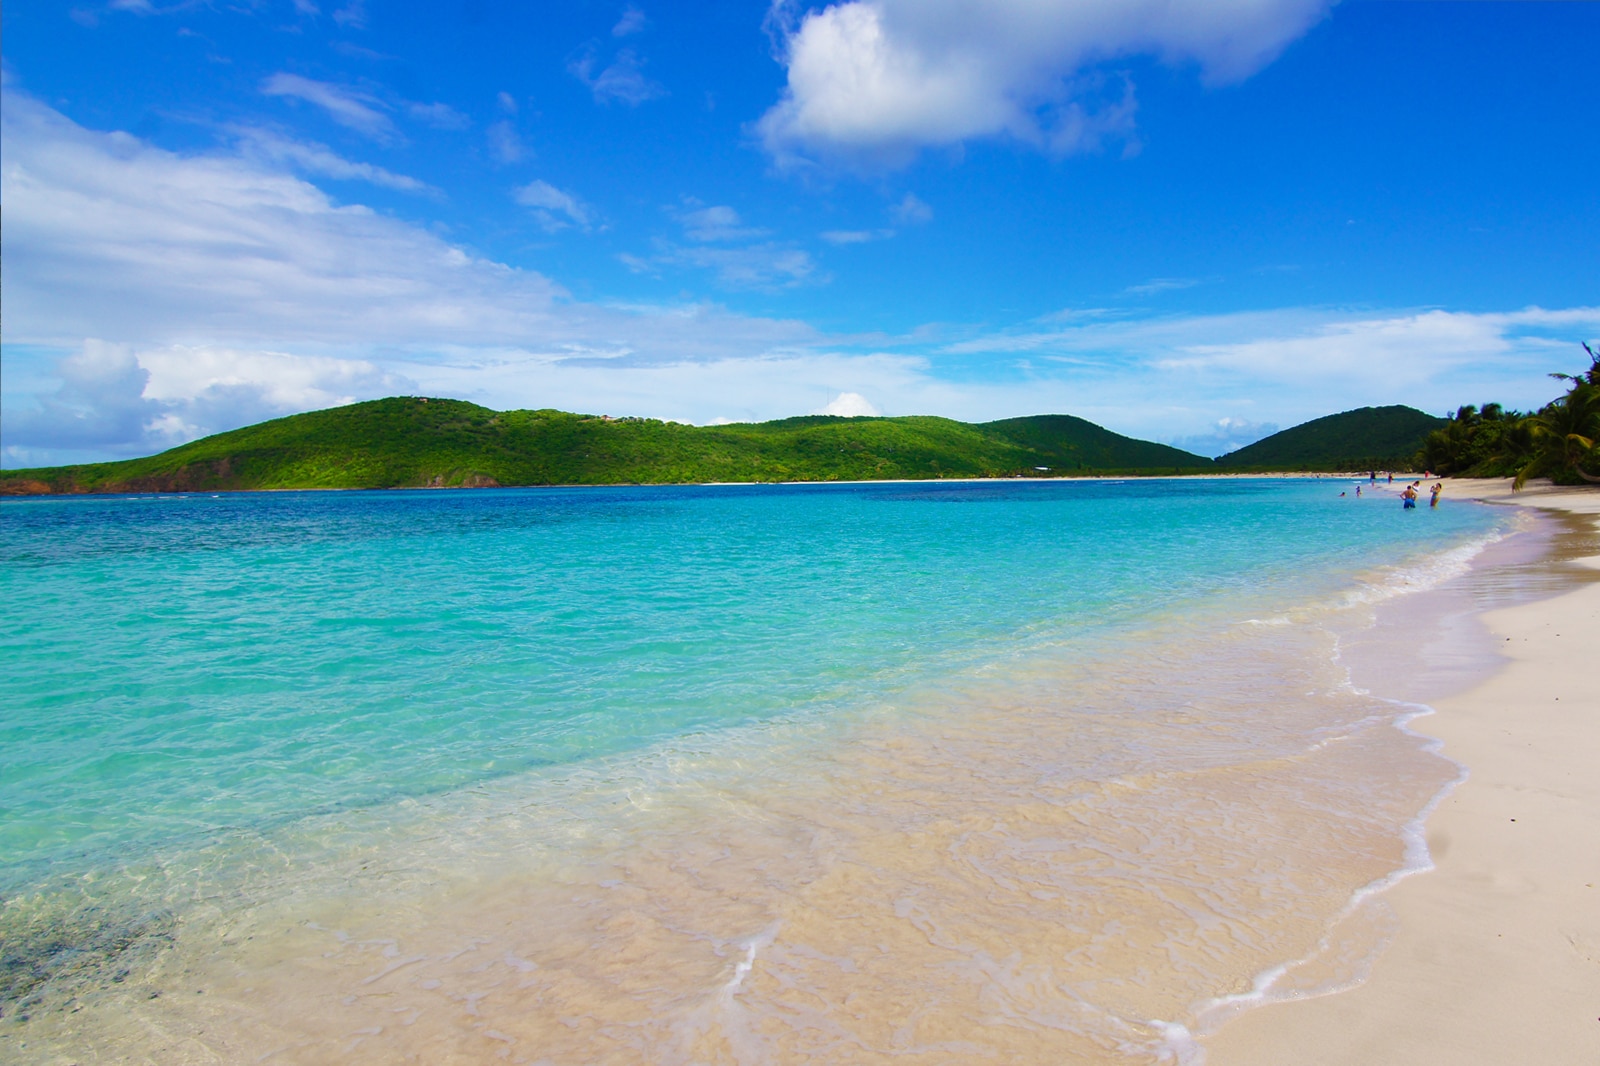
(182, 665)
(220, 685)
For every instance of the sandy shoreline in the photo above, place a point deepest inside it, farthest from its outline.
(1497, 955)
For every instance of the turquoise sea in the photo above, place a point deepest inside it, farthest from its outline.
(196, 686)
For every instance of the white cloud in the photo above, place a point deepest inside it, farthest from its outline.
(348, 107)
(223, 289)
(855, 236)
(767, 265)
(507, 102)
(505, 143)
(312, 158)
(715, 223)
(1156, 377)
(554, 209)
(758, 266)
(876, 80)
(911, 210)
(440, 116)
(1159, 285)
(622, 82)
(353, 15)
(1227, 435)
(631, 22)
(850, 405)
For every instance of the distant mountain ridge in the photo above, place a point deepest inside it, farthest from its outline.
(413, 442)
(1367, 438)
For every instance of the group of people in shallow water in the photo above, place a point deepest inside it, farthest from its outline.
(1411, 493)
(1408, 496)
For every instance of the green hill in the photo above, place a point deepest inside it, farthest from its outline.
(1368, 438)
(412, 442)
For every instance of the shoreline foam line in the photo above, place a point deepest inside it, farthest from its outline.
(1496, 953)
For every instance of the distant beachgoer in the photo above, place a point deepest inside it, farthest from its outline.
(1408, 498)
(1391, 477)
(1342, 495)
(1373, 475)
(1438, 487)
(1358, 492)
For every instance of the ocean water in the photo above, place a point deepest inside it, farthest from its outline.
(1035, 771)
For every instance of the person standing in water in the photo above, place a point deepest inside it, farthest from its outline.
(1438, 487)
(1408, 497)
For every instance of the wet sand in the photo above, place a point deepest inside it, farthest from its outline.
(1496, 958)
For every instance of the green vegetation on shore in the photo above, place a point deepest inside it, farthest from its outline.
(1557, 441)
(1368, 438)
(413, 442)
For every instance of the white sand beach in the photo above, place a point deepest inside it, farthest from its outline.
(1497, 955)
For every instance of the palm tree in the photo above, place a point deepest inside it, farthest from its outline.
(1564, 433)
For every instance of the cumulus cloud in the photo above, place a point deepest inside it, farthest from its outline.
(850, 405)
(1226, 435)
(100, 403)
(876, 80)
(122, 400)
(348, 107)
(554, 209)
(623, 82)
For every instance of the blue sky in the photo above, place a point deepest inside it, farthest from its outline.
(1188, 221)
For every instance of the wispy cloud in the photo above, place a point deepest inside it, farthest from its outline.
(855, 236)
(911, 210)
(209, 280)
(766, 266)
(554, 209)
(1160, 285)
(309, 157)
(351, 108)
(631, 22)
(353, 15)
(623, 81)
(505, 143)
(714, 223)
(439, 116)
